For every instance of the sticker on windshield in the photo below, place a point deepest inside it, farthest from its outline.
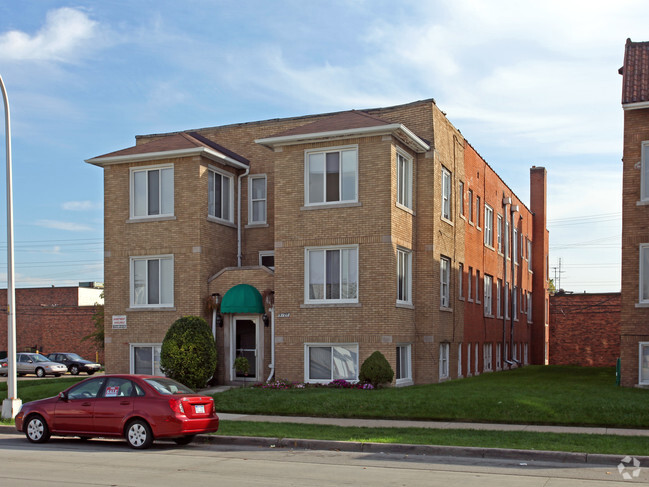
(111, 391)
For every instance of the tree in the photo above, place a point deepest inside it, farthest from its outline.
(376, 370)
(97, 336)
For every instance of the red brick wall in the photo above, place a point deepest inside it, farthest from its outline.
(585, 329)
(50, 320)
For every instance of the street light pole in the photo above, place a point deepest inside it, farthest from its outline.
(11, 405)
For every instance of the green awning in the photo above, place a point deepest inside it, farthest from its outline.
(242, 298)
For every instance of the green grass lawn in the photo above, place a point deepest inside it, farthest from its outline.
(540, 395)
(31, 390)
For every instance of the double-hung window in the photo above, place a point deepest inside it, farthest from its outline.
(644, 173)
(507, 254)
(331, 275)
(220, 194)
(257, 199)
(403, 369)
(404, 180)
(152, 191)
(469, 282)
(499, 292)
(529, 307)
(515, 302)
(326, 362)
(529, 255)
(477, 211)
(404, 276)
(446, 194)
(470, 205)
(515, 246)
(460, 281)
(152, 281)
(488, 226)
(444, 349)
(488, 286)
(644, 273)
(477, 286)
(461, 191)
(331, 176)
(487, 355)
(499, 231)
(444, 282)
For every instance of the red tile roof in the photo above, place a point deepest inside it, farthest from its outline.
(635, 72)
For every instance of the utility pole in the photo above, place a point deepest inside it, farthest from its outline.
(557, 275)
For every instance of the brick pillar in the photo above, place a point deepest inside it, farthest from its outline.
(540, 251)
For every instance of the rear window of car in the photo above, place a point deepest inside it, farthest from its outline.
(168, 386)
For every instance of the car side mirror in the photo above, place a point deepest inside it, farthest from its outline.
(63, 396)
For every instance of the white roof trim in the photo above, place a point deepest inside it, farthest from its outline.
(170, 154)
(635, 106)
(418, 144)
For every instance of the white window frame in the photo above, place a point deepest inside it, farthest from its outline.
(307, 273)
(499, 231)
(515, 246)
(469, 281)
(487, 357)
(325, 151)
(477, 286)
(488, 226)
(461, 196)
(404, 276)
(404, 180)
(444, 352)
(468, 359)
(499, 293)
(515, 302)
(525, 354)
(529, 307)
(488, 290)
(643, 274)
(499, 364)
(507, 298)
(447, 194)
(644, 171)
(459, 360)
(165, 194)
(261, 201)
(445, 281)
(460, 281)
(149, 258)
(471, 206)
(351, 347)
(476, 362)
(478, 212)
(266, 253)
(404, 350)
(641, 380)
(508, 254)
(529, 255)
(154, 346)
(226, 199)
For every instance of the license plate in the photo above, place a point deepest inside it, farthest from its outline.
(199, 408)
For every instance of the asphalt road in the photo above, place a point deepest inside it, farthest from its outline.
(70, 462)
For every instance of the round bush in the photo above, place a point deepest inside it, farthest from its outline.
(188, 352)
(376, 370)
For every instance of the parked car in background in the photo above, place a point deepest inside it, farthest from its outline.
(75, 363)
(139, 408)
(35, 363)
(4, 367)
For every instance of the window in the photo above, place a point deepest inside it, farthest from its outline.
(331, 176)
(152, 281)
(324, 363)
(446, 194)
(152, 192)
(644, 173)
(470, 284)
(88, 389)
(515, 246)
(644, 273)
(443, 360)
(515, 301)
(499, 231)
(468, 359)
(488, 285)
(404, 180)
(459, 360)
(460, 281)
(506, 300)
(444, 281)
(522, 246)
(477, 286)
(477, 211)
(498, 356)
(499, 292)
(507, 254)
(529, 307)
(477, 352)
(145, 359)
(488, 226)
(471, 205)
(257, 204)
(525, 357)
(403, 372)
(220, 195)
(529, 255)
(331, 275)
(404, 276)
(487, 357)
(461, 191)
(267, 259)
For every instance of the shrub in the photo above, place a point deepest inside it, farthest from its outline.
(188, 352)
(376, 370)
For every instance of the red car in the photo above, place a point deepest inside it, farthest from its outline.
(139, 408)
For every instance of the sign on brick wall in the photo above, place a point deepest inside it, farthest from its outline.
(119, 322)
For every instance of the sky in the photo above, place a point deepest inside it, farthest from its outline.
(527, 83)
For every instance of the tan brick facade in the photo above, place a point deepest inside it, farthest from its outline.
(374, 228)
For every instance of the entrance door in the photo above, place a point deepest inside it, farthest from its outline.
(245, 345)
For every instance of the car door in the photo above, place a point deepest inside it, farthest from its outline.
(74, 412)
(23, 366)
(114, 405)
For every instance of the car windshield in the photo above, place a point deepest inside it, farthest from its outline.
(39, 358)
(168, 386)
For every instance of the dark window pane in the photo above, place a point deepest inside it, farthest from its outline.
(154, 192)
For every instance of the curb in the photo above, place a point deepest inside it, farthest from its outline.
(404, 449)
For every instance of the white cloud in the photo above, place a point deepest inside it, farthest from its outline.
(66, 33)
(80, 205)
(67, 226)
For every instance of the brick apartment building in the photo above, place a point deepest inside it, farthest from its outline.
(54, 319)
(310, 242)
(634, 340)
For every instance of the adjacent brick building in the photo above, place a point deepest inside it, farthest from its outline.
(54, 319)
(635, 216)
(310, 242)
(585, 329)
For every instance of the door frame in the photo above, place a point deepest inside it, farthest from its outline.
(233, 344)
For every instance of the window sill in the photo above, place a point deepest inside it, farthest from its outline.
(257, 225)
(478, 227)
(151, 219)
(404, 305)
(642, 305)
(445, 309)
(489, 316)
(404, 382)
(329, 305)
(327, 206)
(405, 208)
(151, 308)
(490, 247)
(446, 220)
(225, 223)
(642, 203)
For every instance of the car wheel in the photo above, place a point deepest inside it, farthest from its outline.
(90, 372)
(36, 429)
(138, 434)
(57, 375)
(184, 440)
(40, 372)
(74, 370)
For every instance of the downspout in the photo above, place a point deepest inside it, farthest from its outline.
(239, 215)
(506, 201)
(512, 209)
(272, 344)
